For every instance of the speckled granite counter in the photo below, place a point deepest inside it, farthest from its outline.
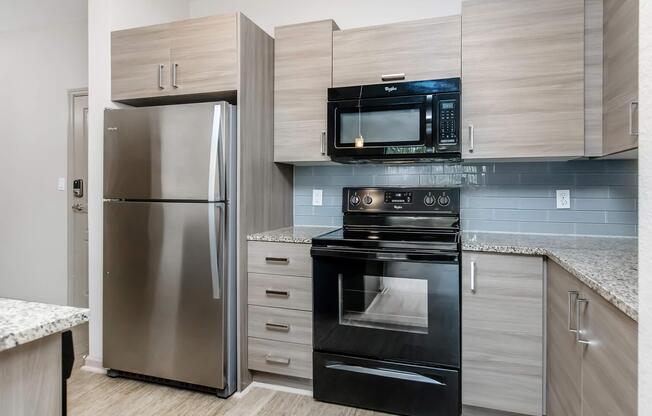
(298, 235)
(607, 265)
(22, 322)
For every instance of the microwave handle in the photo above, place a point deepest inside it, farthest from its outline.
(323, 142)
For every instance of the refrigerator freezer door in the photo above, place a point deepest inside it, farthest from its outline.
(174, 152)
(164, 276)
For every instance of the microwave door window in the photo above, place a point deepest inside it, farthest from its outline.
(398, 127)
(384, 302)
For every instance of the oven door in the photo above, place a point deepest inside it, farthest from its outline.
(387, 305)
(388, 126)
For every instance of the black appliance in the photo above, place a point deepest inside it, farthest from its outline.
(395, 122)
(386, 303)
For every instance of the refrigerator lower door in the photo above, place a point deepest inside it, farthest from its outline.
(165, 300)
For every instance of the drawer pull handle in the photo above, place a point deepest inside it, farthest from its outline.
(277, 327)
(579, 312)
(279, 293)
(572, 297)
(393, 77)
(277, 360)
(277, 260)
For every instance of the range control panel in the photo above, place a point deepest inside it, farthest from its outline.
(395, 200)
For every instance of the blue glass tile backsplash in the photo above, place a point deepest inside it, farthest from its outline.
(504, 197)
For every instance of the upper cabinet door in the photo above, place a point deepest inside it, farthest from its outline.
(204, 55)
(140, 62)
(620, 94)
(302, 75)
(419, 50)
(523, 78)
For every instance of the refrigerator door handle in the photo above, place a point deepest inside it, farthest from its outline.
(217, 162)
(216, 240)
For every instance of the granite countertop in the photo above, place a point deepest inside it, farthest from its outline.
(608, 265)
(298, 234)
(22, 322)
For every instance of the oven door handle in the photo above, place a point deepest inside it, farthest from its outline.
(384, 372)
(435, 256)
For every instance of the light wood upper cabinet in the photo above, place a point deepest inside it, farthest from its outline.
(302, 76)
(502, 332)
(523, 78)
(204, 54)
(597, 374)
(140, 62)
(423, 49)
(620, 94)
(564, 363)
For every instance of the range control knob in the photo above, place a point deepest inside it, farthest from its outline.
(355, 200)
(444, 200)
(368, 200)
(429, 200)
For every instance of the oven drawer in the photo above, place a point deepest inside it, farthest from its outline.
(288, 259)
(280, 357)
(386, 386)
(280, 324)
(289, 292)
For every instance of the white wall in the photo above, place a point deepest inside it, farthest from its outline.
(43, 55)
(346, 13)
(108, 15)
(645, 211)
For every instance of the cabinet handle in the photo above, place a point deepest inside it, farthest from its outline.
(572, 296)
(174, 75)
(277, 360)
(277, 327)
(279, 293)
(393, 77)
(160, 76)
(278, 260)
(471, 138)
(323, 142)
(579, 319)
(472, 277)
(631, 118)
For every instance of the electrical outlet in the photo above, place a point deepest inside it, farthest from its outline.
(317, 197)
(563, 199)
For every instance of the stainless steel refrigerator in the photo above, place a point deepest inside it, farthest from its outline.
(169, 301)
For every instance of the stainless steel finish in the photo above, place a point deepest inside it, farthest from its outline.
(160, 76)
(393, 77)
(579, 313)
(277, 260)
(383, 372)
(277, 327)
(323, 142)
(473, 277)
(572, 297)
(174, 152)
(175, 66)
(277, 360)
(277, 293)
(471, 138)
(632, 104)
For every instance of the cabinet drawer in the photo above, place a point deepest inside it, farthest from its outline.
(280, 258)
(280, 357)
(280, 324)
(289, 292)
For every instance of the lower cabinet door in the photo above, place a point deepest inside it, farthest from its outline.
(564, 352)
(609, 365)
(502, 332)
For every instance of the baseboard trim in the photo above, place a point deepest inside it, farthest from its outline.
(274, 387)
(93, 365)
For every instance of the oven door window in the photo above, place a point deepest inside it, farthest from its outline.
(383, 123)
(384, 302)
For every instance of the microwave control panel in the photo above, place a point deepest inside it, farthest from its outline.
(448, 122)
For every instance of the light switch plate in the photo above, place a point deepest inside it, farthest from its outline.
(61, 184)
(317, 197)
(563, 199)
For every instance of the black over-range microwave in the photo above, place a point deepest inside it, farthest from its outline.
(399, 122)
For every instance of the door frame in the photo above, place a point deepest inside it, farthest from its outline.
(72, 94)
